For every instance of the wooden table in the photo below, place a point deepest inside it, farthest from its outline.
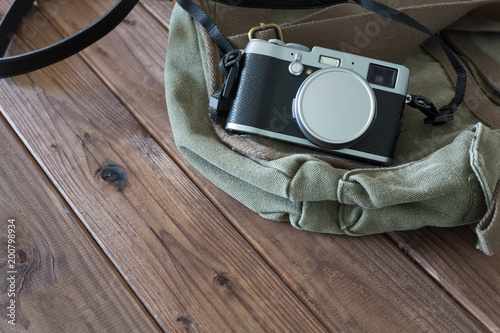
(171, 252)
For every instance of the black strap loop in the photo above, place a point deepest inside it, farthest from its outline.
(228, 60)
(63, 49)
(428, 108)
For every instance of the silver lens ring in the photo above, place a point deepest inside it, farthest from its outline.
(335, 107)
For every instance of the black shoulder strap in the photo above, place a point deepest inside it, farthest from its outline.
(34, 60)
(206, 22)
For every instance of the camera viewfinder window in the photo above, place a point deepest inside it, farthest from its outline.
(382, 76)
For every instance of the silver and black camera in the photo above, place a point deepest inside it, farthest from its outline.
(323, 99)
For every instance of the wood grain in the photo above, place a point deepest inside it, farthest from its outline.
(179, 254)
(471, 277)
(159, 10)
(64, 282)
(357, 284)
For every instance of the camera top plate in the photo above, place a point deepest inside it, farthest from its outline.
(335, 107)
(312, 58)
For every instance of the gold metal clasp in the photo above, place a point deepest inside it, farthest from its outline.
(264, 26)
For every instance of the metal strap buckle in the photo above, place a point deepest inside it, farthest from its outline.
(264, 26)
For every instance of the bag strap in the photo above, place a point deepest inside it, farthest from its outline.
(27, 62)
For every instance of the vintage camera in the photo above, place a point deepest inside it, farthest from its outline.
(323, 99)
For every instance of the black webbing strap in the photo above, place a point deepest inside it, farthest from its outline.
(43, 57)
(206, 22)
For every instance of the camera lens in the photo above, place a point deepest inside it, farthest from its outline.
(382, 76)
(334, 108)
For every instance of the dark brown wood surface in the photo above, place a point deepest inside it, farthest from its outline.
(179, 254)
(64, 281)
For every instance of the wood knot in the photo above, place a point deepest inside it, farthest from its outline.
(182, 320)
(130, 22)
(21, 256)
(114, 174)
(221, 279)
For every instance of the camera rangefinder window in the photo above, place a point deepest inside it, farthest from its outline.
(382, 76)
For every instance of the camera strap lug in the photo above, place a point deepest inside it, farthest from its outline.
(434, 116)
(264, 26)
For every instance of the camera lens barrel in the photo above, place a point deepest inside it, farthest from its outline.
(335, 107)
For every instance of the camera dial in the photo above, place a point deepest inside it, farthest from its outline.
(296, 68)
(335, 107)
(276, 41)
(299, 47)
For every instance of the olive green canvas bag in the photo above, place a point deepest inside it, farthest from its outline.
(441, 176)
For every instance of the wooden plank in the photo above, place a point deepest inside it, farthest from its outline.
(470, 276)
(159, 10)
(183, 259)
(356, 284)
(63, 281)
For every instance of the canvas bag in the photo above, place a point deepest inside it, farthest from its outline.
(442, 176)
